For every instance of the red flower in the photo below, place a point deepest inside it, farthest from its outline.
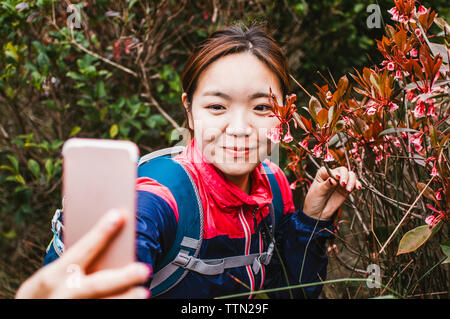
(304, 143)
(422, 10)
(328, 156)
(413, 52)
(391, 66)
(419, 111)
(275, 134)
(317, 150)
(283, 112)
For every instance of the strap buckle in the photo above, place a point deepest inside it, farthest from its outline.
(182, 259)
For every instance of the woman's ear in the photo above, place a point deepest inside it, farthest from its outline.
(188, 109)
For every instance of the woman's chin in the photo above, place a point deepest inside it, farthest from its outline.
(234, 168)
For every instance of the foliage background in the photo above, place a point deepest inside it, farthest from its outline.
(117, 76)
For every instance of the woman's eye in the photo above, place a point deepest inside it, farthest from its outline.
(215, 107)
(263, 108)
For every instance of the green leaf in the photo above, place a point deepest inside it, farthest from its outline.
(445, 246)
(314, 107)
(17, 178)
(75, 76)
(393, 130)
(156, 121)
(74, 130)
(11, 51)
(113, 130)
(414, 238)
(8, 168)
(100, 90)
(103, 112)
(10, 235)
(34, 168)
(14, 162)
(43, 60)
(49, 168)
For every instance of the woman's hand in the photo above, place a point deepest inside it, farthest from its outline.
(327, 194)
(66, 277)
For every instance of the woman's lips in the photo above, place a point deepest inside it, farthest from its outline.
(238, 152)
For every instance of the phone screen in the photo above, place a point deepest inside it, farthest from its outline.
(100, 175)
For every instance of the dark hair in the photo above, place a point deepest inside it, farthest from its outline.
(234, 40)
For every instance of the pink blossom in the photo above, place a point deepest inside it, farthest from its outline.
(317, 150)
(434, 171)
(438, 194)
(417, 32)
(391, 66)
(395, 14)
(354, 150)
(379, 157)
(416, 140)
(419, 111)
(422, 10)
(288, 137)
(346, 120)
(328, 157)
(275, 134)
(371, 110)
(304, 143)
(431, 220)
(398, 74)
(293, 185)
(410, 94)
(431, 110)
(413, 52)
(392, 106)
(372, 107)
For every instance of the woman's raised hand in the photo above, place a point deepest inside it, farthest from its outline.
(327, 194)
(66, 276)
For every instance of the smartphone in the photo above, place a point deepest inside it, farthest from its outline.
(100, 175)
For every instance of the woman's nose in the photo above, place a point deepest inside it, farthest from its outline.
(238, 131)
(238, 125)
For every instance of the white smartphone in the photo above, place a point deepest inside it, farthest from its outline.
(100, 175)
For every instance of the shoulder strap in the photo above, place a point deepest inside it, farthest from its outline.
(276, 192)
(161, 167)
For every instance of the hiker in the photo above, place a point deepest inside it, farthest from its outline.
(247, 235)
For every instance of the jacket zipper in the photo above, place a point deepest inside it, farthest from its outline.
(248, 237)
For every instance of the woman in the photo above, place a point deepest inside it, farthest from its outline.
(226, 83)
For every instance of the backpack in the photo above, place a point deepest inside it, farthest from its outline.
(182, 257)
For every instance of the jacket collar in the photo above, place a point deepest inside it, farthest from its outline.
(226, 195)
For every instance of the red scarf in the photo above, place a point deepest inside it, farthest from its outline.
(221, 192)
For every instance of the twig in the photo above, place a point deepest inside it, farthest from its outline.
(300, 85)
(404, 217)
(153, 100)
(361, 271)
(119, 66)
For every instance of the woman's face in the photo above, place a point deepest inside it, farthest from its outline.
(231, 112)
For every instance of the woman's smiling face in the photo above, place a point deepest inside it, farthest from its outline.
(231, 113)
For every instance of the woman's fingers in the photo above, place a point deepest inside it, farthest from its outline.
(112, 282)
(340, 175)
(90, 245)
(351, 181)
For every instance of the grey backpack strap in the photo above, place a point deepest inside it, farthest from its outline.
(172, 267)
(218, 266)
